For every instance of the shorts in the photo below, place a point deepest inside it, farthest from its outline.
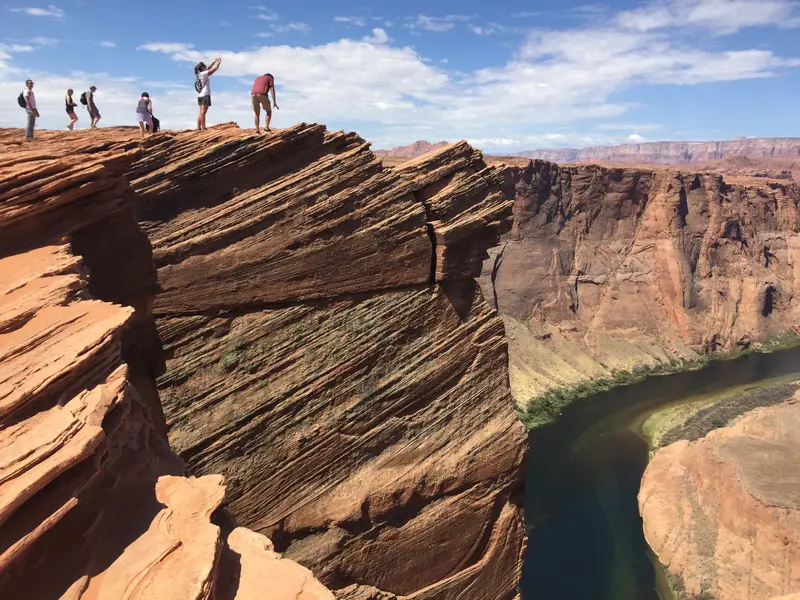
(142, 118)
(204, 100)
(94, 113)
(261, 100)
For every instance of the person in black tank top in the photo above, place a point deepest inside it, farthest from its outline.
(73, 118)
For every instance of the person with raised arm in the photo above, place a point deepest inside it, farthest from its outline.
(202, 85)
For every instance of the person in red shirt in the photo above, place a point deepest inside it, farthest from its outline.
(258, 96)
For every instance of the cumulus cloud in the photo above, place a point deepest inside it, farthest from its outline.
(50, 11)
(379, 36)
(635, 138)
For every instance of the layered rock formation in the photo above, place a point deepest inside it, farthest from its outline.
(609, 269)
(313, 362)
(723, 513)
(672, 153)
(93, 503)
(327, 351)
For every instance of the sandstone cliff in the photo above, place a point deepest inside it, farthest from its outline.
(672, 153)
(614, 270)
(327, 351)
(411, 151)
(723, 513)
(93, 503)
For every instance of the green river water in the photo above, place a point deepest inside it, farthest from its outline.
(585, 539)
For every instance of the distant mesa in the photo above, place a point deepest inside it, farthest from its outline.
(412, 151)
(785, 150)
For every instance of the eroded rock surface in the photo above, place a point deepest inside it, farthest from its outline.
(327, 351)
(724, 512)
(609, 269)
(352, 384)
(93, 503)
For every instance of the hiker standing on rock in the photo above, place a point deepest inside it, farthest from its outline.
(202, 85)
(30, 109)
(144, 113)
(87, 99)
(259, 98)
(70, 104)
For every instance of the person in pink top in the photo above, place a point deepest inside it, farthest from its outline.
(258, 96)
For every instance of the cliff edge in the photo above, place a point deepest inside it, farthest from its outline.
(303, 322)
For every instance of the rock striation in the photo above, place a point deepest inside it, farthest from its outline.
(325, 349)
(610, 270)
(93, 503)
(723, 512)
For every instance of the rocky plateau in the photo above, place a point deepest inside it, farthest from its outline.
(207, 332)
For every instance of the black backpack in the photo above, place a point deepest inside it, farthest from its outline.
(156, 125)
(83, 99)
(198, 85)
(21, 100)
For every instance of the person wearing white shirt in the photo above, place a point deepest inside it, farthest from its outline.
(30, 108)
(202, 86)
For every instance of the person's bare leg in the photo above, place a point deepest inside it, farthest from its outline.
(150, 125)
(96, 121)
(257, 119)
(267, 120)
(205, 112)
(141, 129)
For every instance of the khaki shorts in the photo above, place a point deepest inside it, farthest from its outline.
(261, 100)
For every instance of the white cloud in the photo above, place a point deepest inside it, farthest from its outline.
(50, 11)
(379, 36)
(718, 16)
(439, 24)
(43, 41)
(107, 44)
(635, 138)
(264, 13)
(356, 21)
(488, 29)
(294, 26)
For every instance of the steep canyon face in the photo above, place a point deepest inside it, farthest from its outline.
(610, 270)
(325, 349)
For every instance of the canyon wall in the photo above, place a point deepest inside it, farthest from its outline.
(325, 348)
(613, 270)
(723, 512)
(93, 504)
(672, 153)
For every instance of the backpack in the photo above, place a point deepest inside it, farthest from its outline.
(83, 99)
(21, 100)
(198, 85)
(156, 125)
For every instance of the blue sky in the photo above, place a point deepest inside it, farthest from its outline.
(507, 75)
